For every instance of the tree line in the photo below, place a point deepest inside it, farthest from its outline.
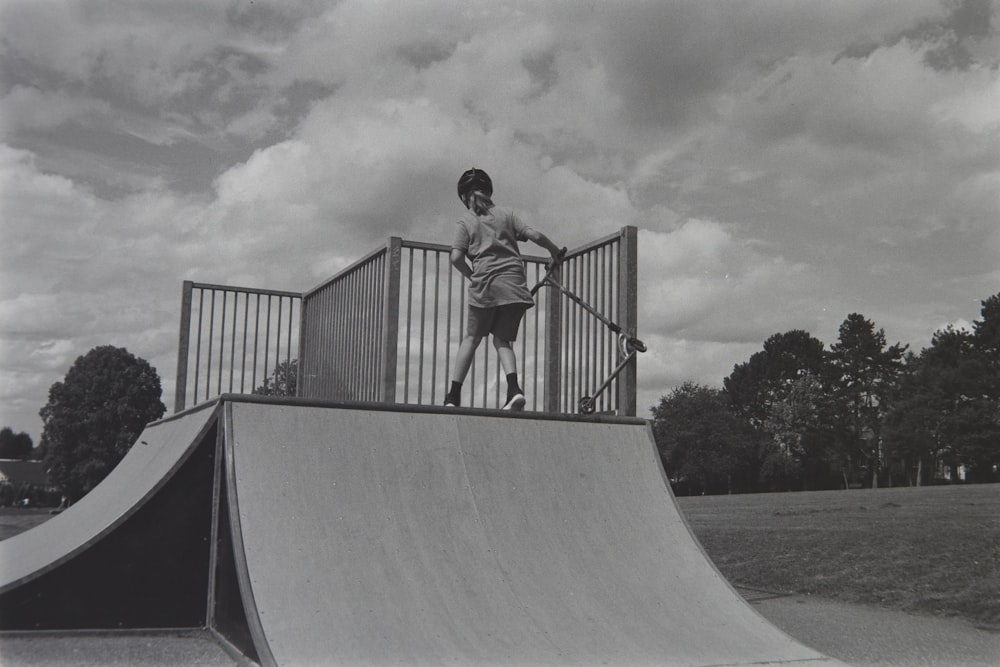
(799, 416)
(16, 446)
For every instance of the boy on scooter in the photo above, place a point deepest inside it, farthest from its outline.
(487, 236)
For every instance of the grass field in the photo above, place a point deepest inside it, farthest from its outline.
(930, 550)
(15, 520)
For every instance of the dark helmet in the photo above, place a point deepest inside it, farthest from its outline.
(475, 179)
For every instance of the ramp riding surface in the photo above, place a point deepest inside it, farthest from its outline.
(427, 537)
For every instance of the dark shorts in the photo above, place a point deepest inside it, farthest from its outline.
(501, 321)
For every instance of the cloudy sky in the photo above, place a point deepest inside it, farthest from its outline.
(787, 162)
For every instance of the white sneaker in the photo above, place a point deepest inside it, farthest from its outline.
(515, 403)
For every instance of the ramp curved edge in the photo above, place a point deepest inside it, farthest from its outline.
(135, 552)
(160, 449)
(453, 539)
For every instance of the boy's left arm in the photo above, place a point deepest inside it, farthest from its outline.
(544, 241)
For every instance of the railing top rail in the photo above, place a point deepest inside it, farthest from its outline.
(246, 290)
(424, 245)
(371, 256)
(594, 245)
(440, 247)
(418, 245)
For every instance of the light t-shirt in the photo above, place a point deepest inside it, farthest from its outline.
(490, 243)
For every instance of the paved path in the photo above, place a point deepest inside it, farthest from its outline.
(855, 634)
(115, 649)
(865, 636)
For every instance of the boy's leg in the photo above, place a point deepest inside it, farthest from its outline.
(508, 361)
(463, 362)
(504, 330)
(477, 325)
(505, 352)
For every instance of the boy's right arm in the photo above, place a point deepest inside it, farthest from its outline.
(457, 258)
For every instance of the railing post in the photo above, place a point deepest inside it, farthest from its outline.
(303, 364)
(183, 345)
(553, 346)
(390, 320)
(628, 308)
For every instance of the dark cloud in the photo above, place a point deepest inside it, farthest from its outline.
(423, 54)
(542, 69)
(666, 59)
(948, 39)
(272, 21)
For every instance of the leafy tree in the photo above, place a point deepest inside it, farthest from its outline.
(704, 446)
(798, 451)
(949, 405)
(94, 415)
(863, 376)
(779, 393)
(283, 381)
(911, 432)
(15, 446)
(986, 340)
(767, 378)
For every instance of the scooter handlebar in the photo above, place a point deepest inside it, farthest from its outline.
(550, 266)
(556, 261)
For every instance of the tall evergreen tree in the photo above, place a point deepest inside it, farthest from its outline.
(864, 372)
(948, 411)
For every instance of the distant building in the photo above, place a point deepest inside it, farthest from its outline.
(22, 481)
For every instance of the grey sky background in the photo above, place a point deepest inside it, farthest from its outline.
(787, 163)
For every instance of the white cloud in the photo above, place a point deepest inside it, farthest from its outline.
(787, 164)
(701, 281)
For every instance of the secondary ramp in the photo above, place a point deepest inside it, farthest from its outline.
(425, 537)
(132, 553)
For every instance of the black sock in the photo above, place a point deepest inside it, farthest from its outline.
(455, 393)
(512, 386)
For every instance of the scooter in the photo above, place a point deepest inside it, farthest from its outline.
(629, 346)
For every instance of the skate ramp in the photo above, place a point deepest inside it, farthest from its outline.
(131, 553)
(456, 538)
(298, 533)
